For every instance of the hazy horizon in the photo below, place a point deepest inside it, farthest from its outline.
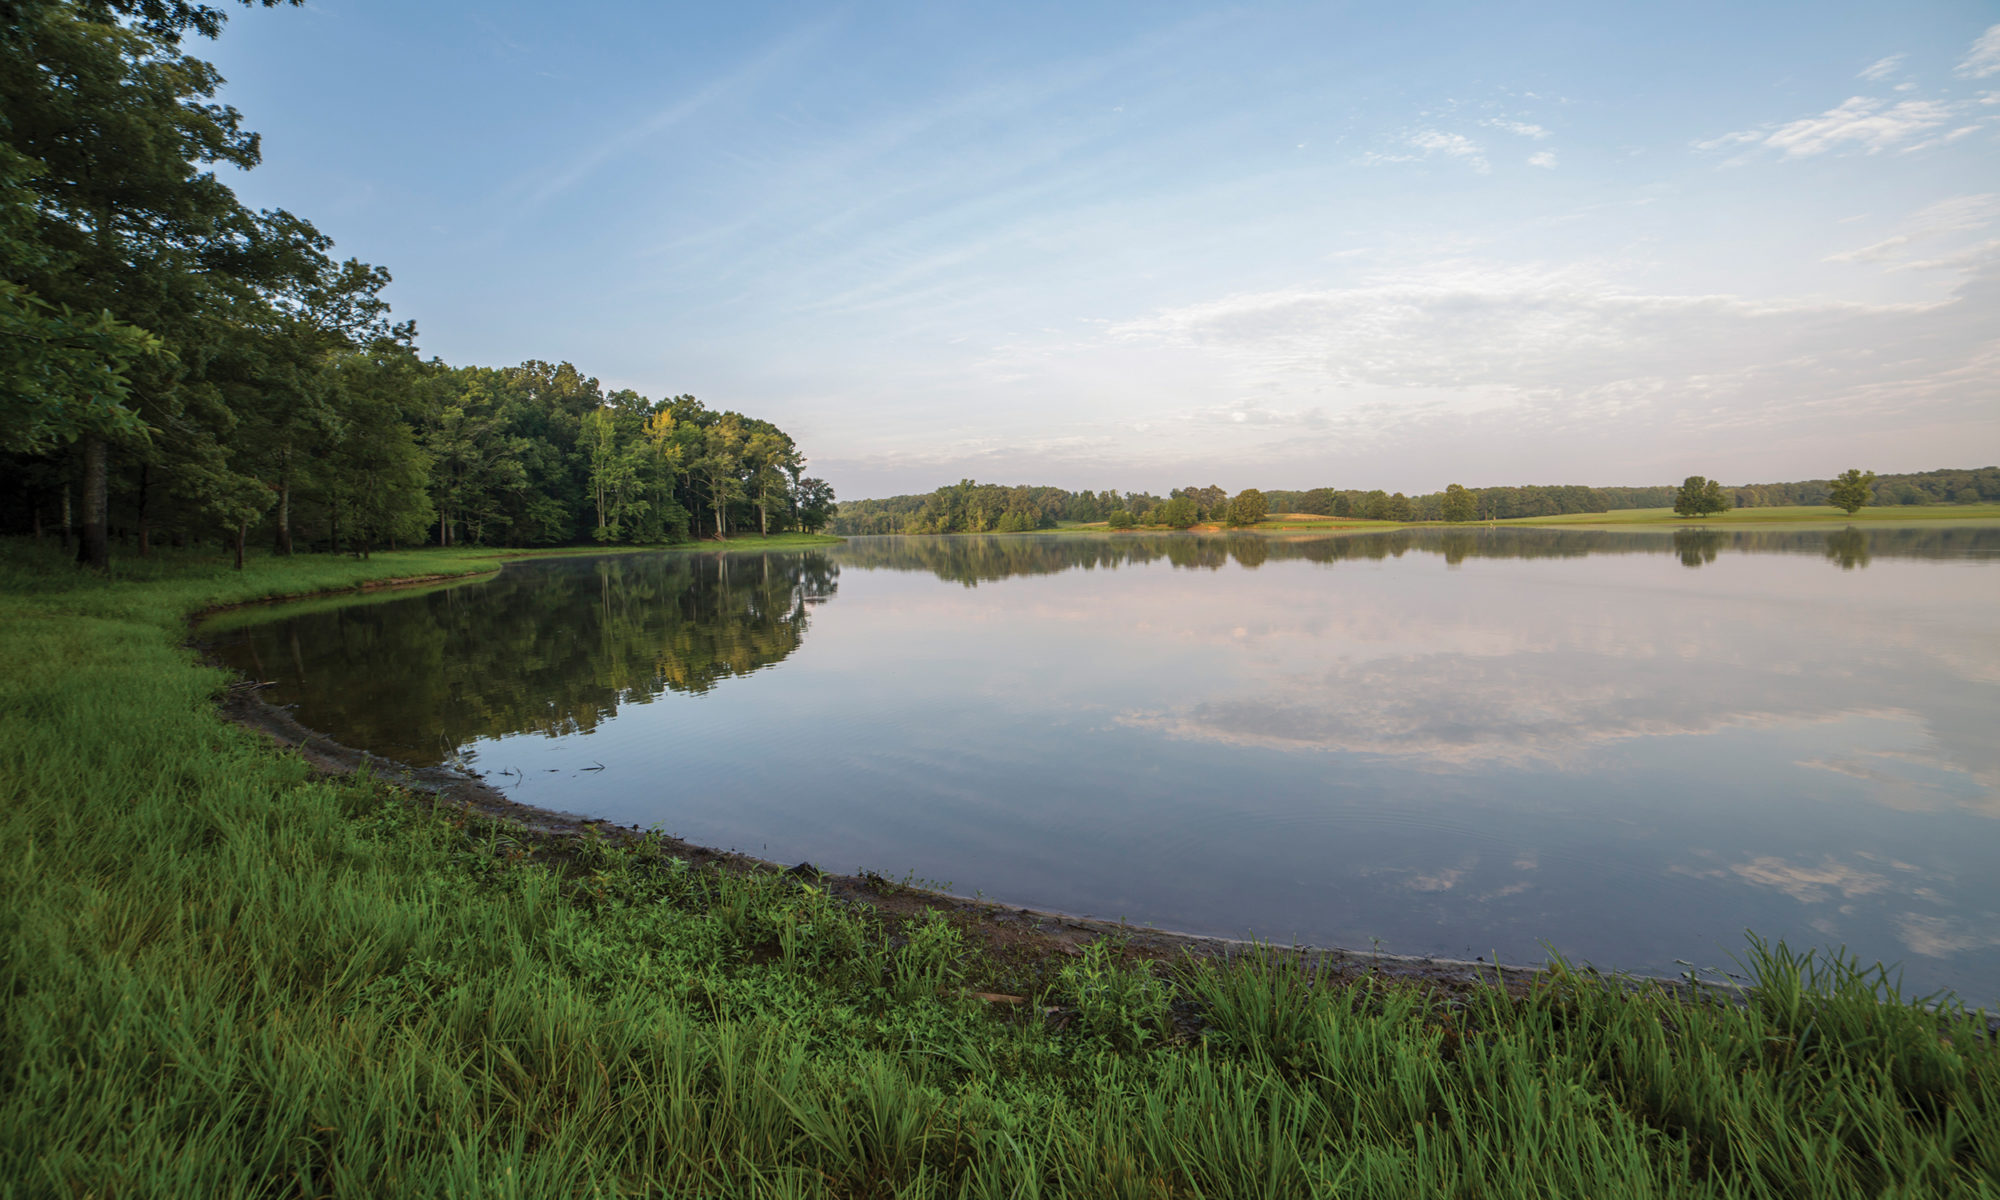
(1280, 246)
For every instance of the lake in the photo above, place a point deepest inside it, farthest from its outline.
(1625, 746)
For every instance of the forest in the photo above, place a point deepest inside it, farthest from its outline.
(177, 367)
(971, 507)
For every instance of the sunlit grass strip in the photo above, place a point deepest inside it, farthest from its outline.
(225, 977)
(1795, 514)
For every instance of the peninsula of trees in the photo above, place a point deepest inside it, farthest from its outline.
(970, 507)
(176, 366)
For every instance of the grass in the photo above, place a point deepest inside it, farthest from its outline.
(226, 976)
(1798, 514)
(1625, 517)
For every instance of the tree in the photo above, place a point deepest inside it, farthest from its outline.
(1177, 513)
(1459, 504)
(62, 374)
(814, 501)
(1248, 508)
(1851, 490)
(1121, 519)
(1699, 497)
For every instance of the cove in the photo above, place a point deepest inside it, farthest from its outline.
(1627, 746)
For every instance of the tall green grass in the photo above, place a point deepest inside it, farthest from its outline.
(223, 976)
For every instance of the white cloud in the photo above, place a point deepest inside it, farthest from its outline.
(1546, 159)
(1860, 121)
(1519, 127)
(1882, 68)
(1548, 354)
(1432, 141)
(1958, 214)
(1943, 139)
(1984, 57)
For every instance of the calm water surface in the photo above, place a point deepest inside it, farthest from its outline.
(1627, 746)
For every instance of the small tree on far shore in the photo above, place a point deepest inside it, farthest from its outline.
(1121, 519)
(1459, 504)
(1177, 513)
(1248, 508)
(1852, 490)
(1700, 497)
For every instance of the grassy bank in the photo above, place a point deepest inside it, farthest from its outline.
(1799, 514)
(1619, 518)
(227, 977)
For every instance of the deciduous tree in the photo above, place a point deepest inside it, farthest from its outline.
(1852, 490)
(1700, 497)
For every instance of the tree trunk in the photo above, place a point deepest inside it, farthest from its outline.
(68, 525)
(94, 550)
(284, 542)
(145, 536)
(241, 529)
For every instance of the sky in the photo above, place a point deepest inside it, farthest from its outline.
(1159, 244)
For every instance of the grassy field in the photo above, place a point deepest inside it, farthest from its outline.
(225, 976)
(1800, 514)
(1627, 517)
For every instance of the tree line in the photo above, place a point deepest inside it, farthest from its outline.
(177, 366)
(971, 507)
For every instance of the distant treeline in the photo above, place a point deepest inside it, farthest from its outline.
(970, 507)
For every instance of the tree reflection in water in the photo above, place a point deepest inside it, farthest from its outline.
(974, 559)
(555, 647)
(551, 648)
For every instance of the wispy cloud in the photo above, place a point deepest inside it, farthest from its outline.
(1881, 68)
(1545, 159)
(1431, 142)
(1958, 214)
(745, 77)
(1521, 128)
(1984, 57)
(1860, 122)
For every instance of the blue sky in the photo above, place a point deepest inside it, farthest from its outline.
(1146, 245)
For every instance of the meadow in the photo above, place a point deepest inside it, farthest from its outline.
(227, 975)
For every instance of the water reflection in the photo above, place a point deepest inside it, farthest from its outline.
(553, 650)
(975, 560)
(1458, 740)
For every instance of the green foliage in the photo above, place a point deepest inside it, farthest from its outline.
(1852, 490)
(1458, 505)
(1123, 1003)
(1247, 508)
(1121, 518)
(971, 507)
(1699, 497)
(1177, 513)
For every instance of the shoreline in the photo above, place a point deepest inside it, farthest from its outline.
(1045, 933)
(1011, 930)
(1063, 933)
